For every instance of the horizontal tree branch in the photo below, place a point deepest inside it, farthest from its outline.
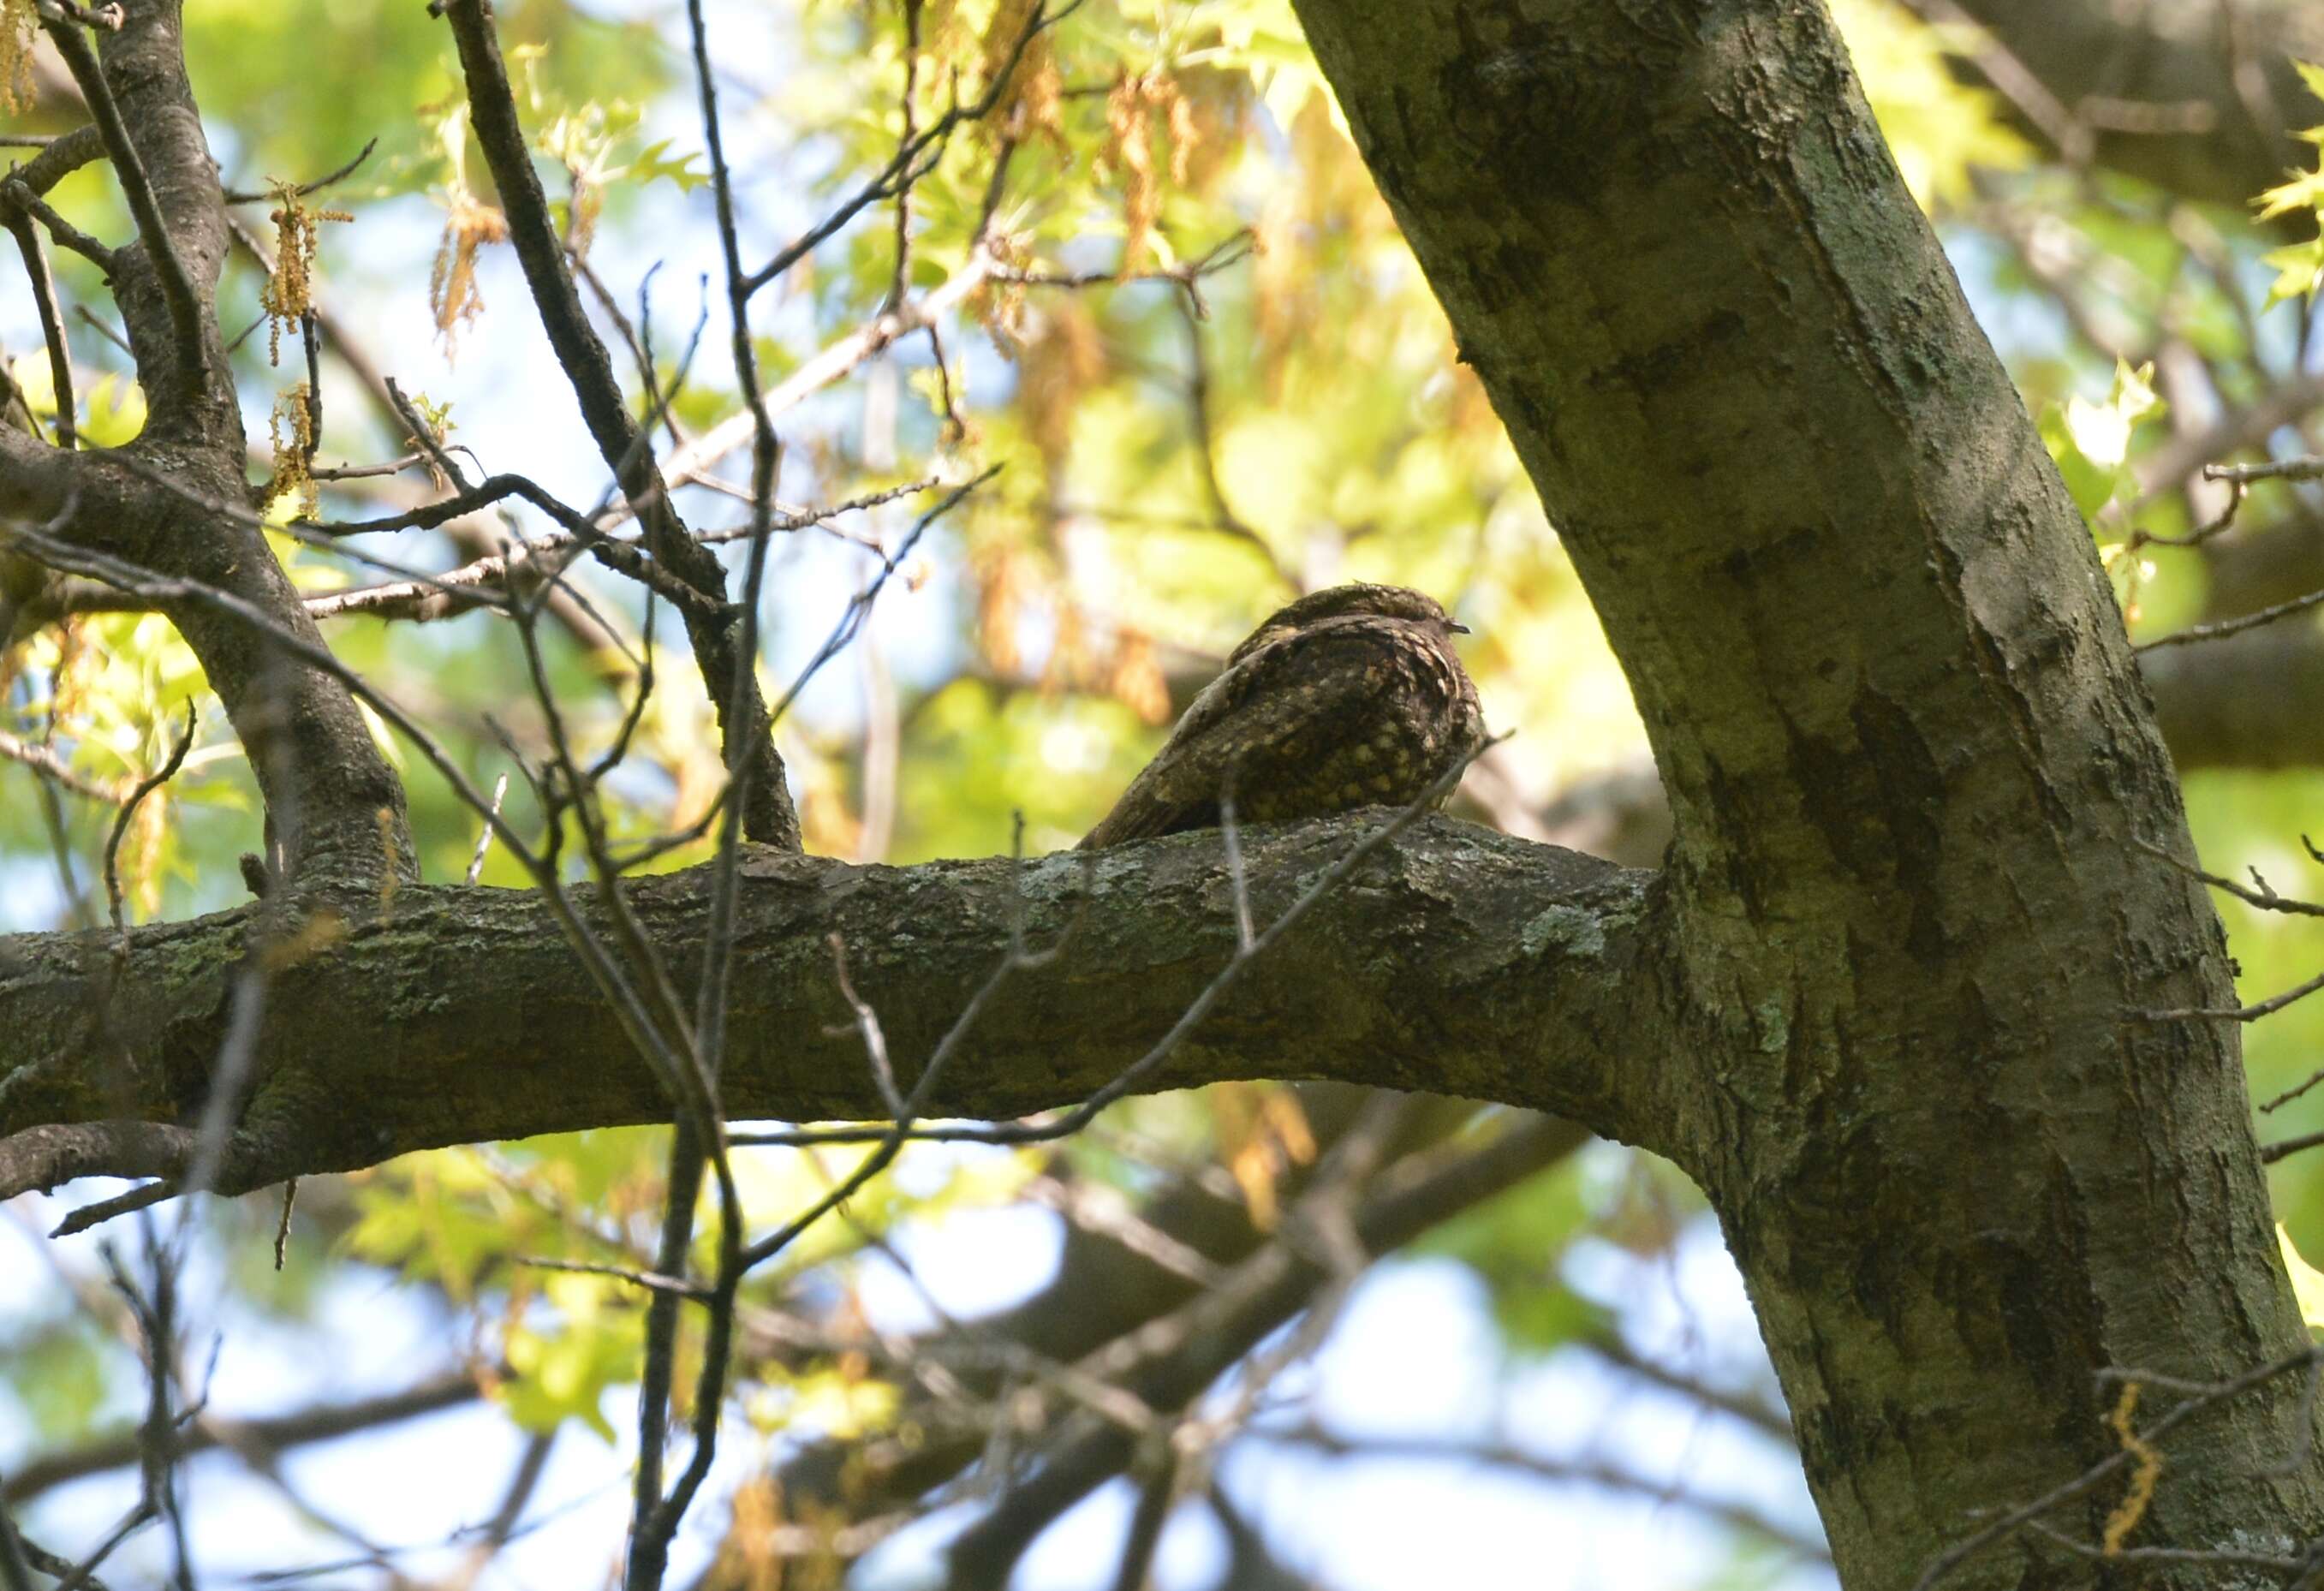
(454, 1015)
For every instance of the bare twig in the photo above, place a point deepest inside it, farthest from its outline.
(726, 672)
(2201, 1396)
(2267, 1008)
(851, 623)
(867, 1022)
(18, 193)
(52, 326)
(648, 1281)
(485, 836)
(2269, 1153)
(2221, 628)
(1198, 413)
(239, 196)
(2289, 469)
(145, 787)
(913, 159)
(45, 761)
(1587, 1472)
(698, 456)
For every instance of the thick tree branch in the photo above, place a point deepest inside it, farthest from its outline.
(331, 800)
(332, 803)
(2215, 80)
(1456, 960)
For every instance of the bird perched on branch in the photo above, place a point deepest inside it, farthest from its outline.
(1348, 697)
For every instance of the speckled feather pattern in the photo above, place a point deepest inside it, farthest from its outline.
(1349, 697)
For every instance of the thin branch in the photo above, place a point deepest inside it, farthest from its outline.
(15, 1568)
(911, 162)
(238, 197)
(1186, 275)
(1198, 410)
(2269, 1153)
(485, 836)
(699, 457)
(910, 102)
(1173, 1358)
(2202, 1396)
(867, 1022)
(45, 761)
(2267, 1008)
(2290, 469)
(102, 330)
(2221, 628)
(619, 439)
(850, 623)
(53, 327)
(321, 1422)
(2264, 898)
(177, 291)
(652, 1282)
(17, 193)
(61, 157)
(145, 787)
(2018, 83)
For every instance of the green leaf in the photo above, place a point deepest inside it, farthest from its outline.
(655, 163)
(2299, 270)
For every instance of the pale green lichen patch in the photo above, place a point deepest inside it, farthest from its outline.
(1577, 932)
(1774, 1024)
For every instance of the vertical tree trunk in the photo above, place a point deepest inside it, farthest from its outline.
(1909, 757)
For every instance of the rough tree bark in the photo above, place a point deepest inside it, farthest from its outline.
(1910, 759)
(176, 498)
(455, 1015)
(1883, 1002)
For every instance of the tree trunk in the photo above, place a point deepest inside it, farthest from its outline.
(1911, 763)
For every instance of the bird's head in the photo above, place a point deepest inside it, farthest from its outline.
(1343, 601)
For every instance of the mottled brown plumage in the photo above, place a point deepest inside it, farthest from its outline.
(1348, 697)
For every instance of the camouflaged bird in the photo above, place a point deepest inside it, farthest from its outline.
(1348, 697)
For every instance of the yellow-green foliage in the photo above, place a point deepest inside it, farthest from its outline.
(1033, 641)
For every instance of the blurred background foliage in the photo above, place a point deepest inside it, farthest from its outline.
(1183, 454)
